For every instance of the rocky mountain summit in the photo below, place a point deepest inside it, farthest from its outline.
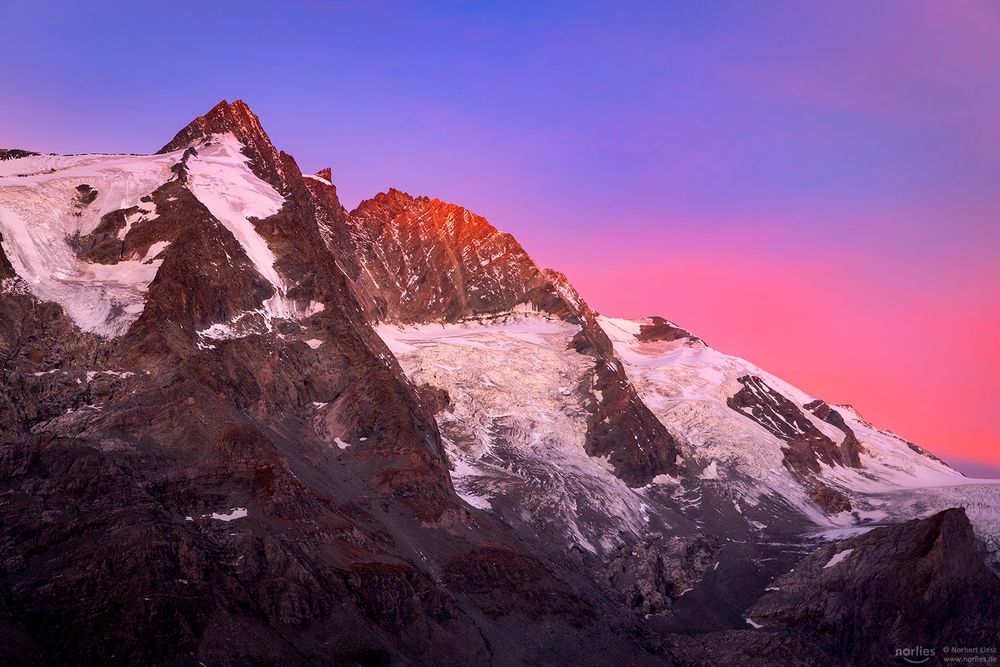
(241, 424)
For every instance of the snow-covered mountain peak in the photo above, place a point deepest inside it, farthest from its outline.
(88, 231)
(223, 117)
(237, 119)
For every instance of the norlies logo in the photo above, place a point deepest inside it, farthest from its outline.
(915, 656)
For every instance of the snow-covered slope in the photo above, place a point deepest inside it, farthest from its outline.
(513, 396)
(514, 424)
(219, 177)
(47, 201)
(44, 203)
(687, 384)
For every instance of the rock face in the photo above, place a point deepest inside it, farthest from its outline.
(661, 570)
(659, 329)
(213, 451)
(621, 428)
(808, 447)
(895, 595)
(850, 448)
(6, 270)
(918, 585)
(422, 259)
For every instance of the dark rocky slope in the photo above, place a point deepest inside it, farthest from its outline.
(904, 591)
(918, 584)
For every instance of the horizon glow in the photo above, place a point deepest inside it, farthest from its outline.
(813, 187)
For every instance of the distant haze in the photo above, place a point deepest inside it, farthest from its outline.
(975, 469)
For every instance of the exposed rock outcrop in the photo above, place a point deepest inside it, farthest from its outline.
(921, 584)
(807, 445)
(14, 153)
(850, 447)
(660, 329)
(650, 575)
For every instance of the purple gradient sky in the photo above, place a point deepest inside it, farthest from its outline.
(814, 186)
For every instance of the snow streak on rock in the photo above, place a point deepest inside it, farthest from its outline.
(221, 180)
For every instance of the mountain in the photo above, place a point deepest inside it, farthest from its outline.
(242, 424)
(852, 602)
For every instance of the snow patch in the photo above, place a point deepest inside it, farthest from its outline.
(838, 558)
(231, 515)
(666, 480)
(319, 179)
